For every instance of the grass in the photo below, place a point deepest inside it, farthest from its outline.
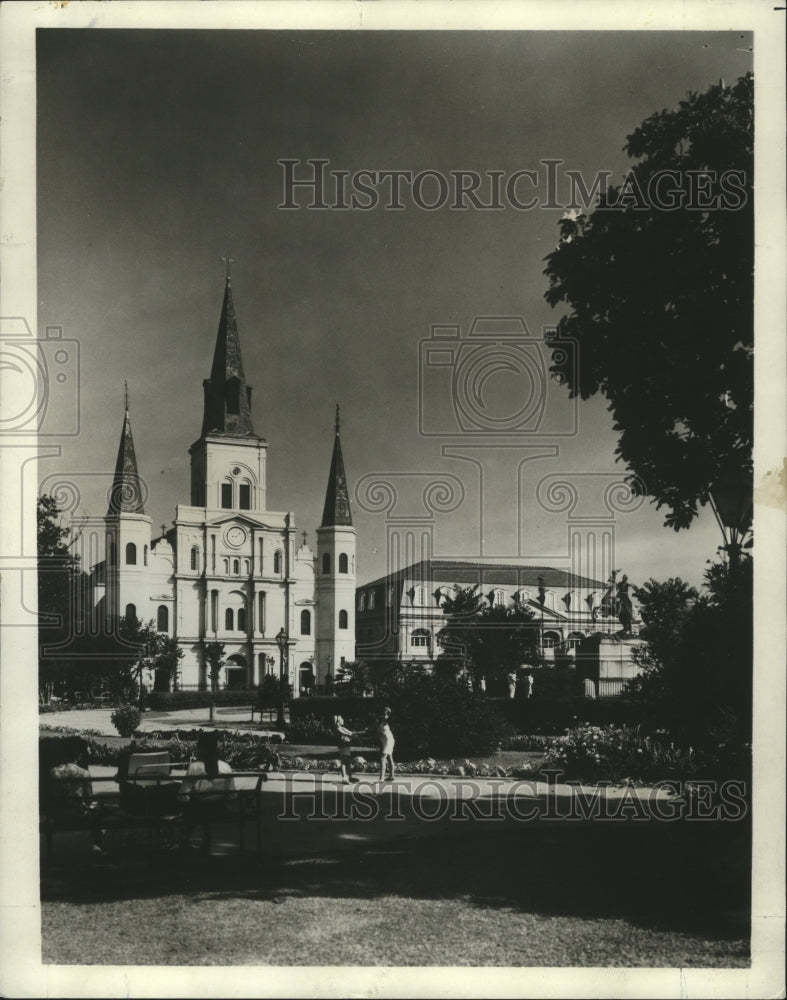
(612, 897)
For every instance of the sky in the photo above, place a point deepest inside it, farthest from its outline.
(158, 154)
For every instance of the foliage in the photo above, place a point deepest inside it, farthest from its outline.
(167, 659)
(214, 657)
(57, 569)
(126, 719)
(437, 716)
(697, 681)
(353, 678)
(661, 301)
(620, 754)
(490, 640)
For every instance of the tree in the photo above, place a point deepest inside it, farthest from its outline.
(697, 678)
(57, 570)
(353, 677)
(214, 657)
(167, 659)
(659, 280)
(491, 640)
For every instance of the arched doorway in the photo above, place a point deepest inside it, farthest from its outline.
(306, 679)
(237, 671)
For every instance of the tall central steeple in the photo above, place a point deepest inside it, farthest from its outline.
(227, 396)
(337, 500)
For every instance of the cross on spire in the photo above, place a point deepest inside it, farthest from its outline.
(228, 262)
(304, 538)
(125, 394)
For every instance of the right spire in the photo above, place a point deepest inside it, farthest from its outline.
(337, 499)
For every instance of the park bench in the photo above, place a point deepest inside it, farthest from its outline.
(145, 801)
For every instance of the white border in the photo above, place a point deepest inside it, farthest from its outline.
(22, 973)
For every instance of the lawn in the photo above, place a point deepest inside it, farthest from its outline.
(611, 896)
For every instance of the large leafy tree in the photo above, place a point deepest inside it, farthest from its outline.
(57, 571)
(659, 283)
(490, 640)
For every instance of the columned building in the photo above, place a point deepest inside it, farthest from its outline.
(398, 616)
(230, 570)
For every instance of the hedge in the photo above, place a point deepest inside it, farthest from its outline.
(176, 701)
(554, 716)
(362, 711)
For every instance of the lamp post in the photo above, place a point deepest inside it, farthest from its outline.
(731, 500)
(281, 641)
(542, 594)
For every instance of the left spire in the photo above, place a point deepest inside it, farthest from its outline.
(126, 494)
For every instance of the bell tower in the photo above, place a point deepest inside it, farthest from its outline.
(335, 571)
(228, 460)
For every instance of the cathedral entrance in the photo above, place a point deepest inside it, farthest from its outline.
(237, 671)
(306, 678)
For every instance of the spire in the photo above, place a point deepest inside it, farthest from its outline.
(337, 500)
(126, 494)
(227, 397)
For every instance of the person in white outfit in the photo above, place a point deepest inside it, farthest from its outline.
(386, 737)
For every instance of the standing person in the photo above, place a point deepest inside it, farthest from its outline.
(206, 793)
(528, 685)
(344, 738)
(511, 678)
(386, 743)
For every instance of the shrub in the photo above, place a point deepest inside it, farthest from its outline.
(612, 753)
(433, 715)
(126, 719)
(176, 701)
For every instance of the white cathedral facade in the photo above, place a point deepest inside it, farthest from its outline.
(230, 570)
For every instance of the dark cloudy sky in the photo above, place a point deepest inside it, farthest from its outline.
(157, 154)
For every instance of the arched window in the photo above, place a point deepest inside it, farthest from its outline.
(244, 496)
(343, 562)
(277, 562)
(262, 552)
(162, 618)
(362, 601)
(226, 564)
(131, 554)
(229, 619)
(574, 639)
(326, 562)
(131, 613)
(236, 567)
(226, 496)
(549, 600)
(241, 619)
(371, 600)
(194, 557)
(342, 619)
(419, 638)
(145, 556)
(499, 599)
(214, 610)
(306, 622)
(261, 612)
(550, 640)
(246, 567)
(419, 596)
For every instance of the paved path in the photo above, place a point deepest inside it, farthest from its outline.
(100, 719)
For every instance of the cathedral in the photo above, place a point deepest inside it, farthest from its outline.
(230, 570)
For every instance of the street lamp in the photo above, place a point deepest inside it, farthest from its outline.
(731, 500)
(281, 641)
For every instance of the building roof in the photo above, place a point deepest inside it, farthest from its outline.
(126, 494)
(337, 499)
(227, 396)
(486, 572)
